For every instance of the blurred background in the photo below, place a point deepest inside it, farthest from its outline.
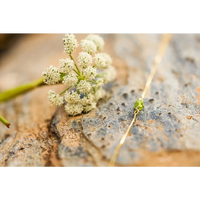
(8, 37)
(6, 41)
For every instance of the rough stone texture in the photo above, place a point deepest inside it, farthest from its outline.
(166, 132)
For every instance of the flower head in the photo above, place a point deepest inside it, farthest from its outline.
(70, 43)
(88, 46)
(84, 86)
(84, 59)
(66, 65)
(99, 84)
(70, 80)
(74, 108)
(89, 73)
(99, 94)
(85, 78)
(51, 75)
(55, 99)
(102, 60)
(110, 74)
(107, 58)
(89, 107)
(72, 97)
(97, 40)
(87, 99)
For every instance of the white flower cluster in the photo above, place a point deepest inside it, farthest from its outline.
(110, 74)
(74, 108)
(84, 86)
(84, 59)
(51, 75)
(84, 81)
(89, 73)
(102, 60)
(97, 40)
(70, 43)
(66, 65)
(99, 94)
(55, 99)
(88, 46)
(70, 80)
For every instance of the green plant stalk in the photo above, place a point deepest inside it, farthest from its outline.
(100, 75)
(64, 90)
(75, 71)
(11, 93)
(70, 55)
(4, 121)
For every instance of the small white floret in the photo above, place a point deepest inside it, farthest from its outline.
(74, 108)
(66, 65)
(102, 60)
(89, 73)
(55, 99)
(70, 80)
(89, 107)
(110, 74)
(72, 97)
(84, 86)
(99, 94)
(84, 59)
(88, 46)
(70, 43)
(97, 40)
(87, 99)
(51, 75)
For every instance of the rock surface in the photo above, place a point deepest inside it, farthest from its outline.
(166, 132)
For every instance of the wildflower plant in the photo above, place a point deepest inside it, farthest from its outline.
(85, 80)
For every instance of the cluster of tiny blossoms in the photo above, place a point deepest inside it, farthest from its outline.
(85, 80)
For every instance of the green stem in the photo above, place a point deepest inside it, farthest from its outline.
(93, 81)
(100, 75)
(64, 90)
(62, 76)
(75, 71)
(74, 63)
(4, 121)
(11, 93)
